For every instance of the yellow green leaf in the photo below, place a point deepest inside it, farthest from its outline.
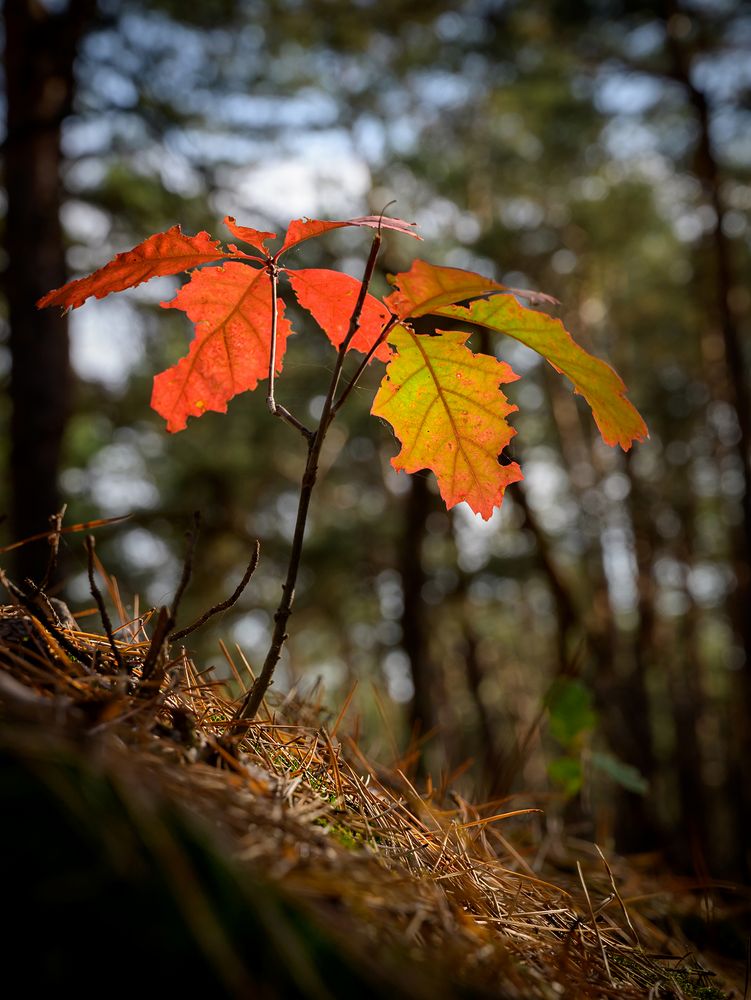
(619, 422)
(447, 409)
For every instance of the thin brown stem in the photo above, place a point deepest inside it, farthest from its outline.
(367, 277)
(255, 696)
(152, 668)
(187, 572)
(56, 524)
(223, 605)
(291, 419)
(103, 613)
(362, 366)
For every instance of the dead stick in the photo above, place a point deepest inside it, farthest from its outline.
(158, 639)
(223, 605)
(187, 572)
(167, 616)
(56, 525)
(104, 614)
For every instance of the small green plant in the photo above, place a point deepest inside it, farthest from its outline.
(572, 718)
(443, 401)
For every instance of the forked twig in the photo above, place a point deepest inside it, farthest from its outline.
(103, 613)
(187, 572)
(223, 605)
(363, 365)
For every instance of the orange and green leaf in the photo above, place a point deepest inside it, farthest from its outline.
(447, 409)
(163, 253)
(231, 308)
(330, 298)
(426, 287)
(619, 422)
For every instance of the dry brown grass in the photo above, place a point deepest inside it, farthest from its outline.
(375, 860)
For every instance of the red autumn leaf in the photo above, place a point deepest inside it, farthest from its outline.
(162, 253)
(446, 408)
(619, 422)
(231, 307)
(306, 229)
(255, 237)
(330, 298)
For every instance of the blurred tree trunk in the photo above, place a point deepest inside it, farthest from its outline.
(484, 739)
(736, 392)
(424, 709)
(567, 616)
(40, 48)
(692, 845)
(629, 701)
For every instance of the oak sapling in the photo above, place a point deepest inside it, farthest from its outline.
(443, 401)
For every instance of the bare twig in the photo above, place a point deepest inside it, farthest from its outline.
(104, 614)
(187, 572)
(160, 636)
(56, 524)
(223, 605)
(363, 365)
(291, 419)
(367, 277)
(167, 616)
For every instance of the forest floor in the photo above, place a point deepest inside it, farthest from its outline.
(147, 848)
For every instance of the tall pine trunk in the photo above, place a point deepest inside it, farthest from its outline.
(39, 52)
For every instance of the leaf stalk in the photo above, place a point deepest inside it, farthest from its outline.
(276, 409)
